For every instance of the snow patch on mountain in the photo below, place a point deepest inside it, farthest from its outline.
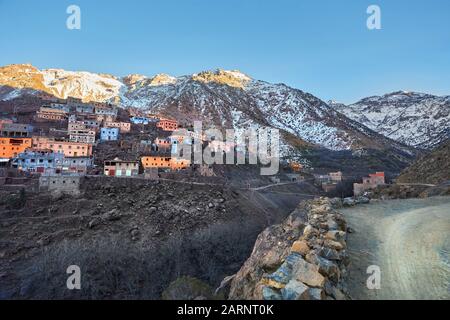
(416, 119)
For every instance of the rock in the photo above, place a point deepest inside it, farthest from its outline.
(336, 203)
(348, 202)
(93, 223)
(310, 231)
(350, 230)
(300, 247)
(295, 290)
(316, 294)
(329, 225)
(307, 273)
(269, 293)
(134, 232)
(152, 210)
(330, 254)
(334, 292)
(210, 205)
(113, 215)
(333, 245)
(283, 274)
(336, 235)
(362, 200)
(326, 267)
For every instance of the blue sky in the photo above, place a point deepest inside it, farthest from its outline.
(322, 47)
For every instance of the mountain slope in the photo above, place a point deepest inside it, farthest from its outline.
(434, 168)
(416, 119)
(228, 99)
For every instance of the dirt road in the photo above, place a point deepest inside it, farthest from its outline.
(409, 240)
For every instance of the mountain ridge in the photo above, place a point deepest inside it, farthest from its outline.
(229, 99)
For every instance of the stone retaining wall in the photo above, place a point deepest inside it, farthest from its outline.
(303, 258)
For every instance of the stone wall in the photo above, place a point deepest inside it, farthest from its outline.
(301, 259)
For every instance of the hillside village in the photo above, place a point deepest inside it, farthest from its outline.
(69, 138)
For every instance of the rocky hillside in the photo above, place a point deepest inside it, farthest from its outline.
(434, 168)
(229, 99)
(304, 258)
(416, 119)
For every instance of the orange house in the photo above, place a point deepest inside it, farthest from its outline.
(11, 147)
(164, 162)
(167, 125)
(68, 148)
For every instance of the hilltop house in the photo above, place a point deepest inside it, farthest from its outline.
(121, 168)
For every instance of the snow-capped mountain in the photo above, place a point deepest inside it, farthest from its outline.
(416, 119)
(229, 99)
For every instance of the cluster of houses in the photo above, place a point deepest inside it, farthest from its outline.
(329, 182)
(87, 126)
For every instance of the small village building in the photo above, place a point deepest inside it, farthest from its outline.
(84, 108)
(294, 177)
(295, 166)
(109, 134)
(68, 148)
(319, 179)
(156, 162)
(16, 130)
(78, 165)
(140, 120)
(5, 121)
(50, 114)
(82, 135)
(368, 183)
(12, 147)
(121, 168)
(124, 127)
(59, 106)
(104, 118)
(329, 187)
(39, 161)
(162, 144)
(106, 111)
(163, 162)
(167, 125)
(335, 176)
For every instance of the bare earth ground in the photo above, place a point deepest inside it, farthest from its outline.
(409, 240)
